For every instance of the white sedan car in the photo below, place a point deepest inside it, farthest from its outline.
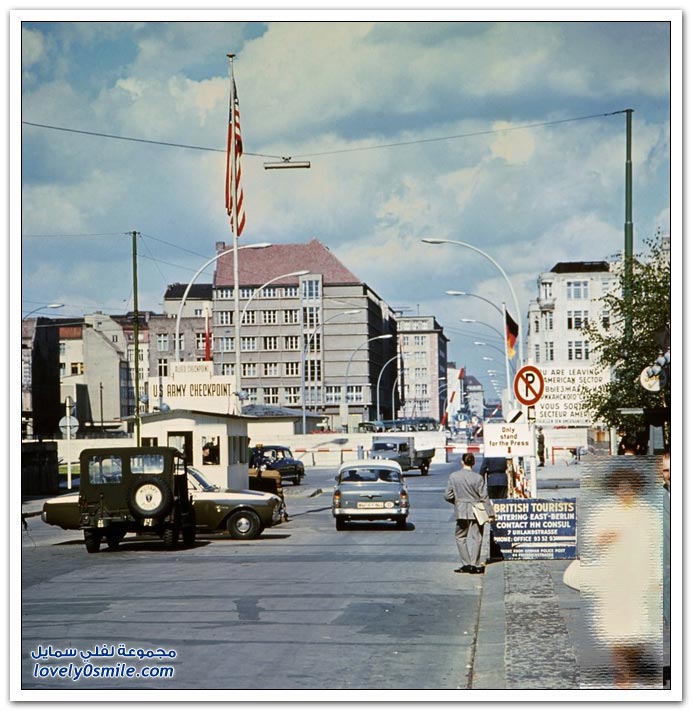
(370, 490)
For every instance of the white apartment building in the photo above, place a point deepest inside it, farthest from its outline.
(569, 296)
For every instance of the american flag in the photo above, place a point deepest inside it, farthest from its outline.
(234, 150)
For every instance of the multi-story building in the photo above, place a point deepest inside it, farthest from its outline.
(423, 347)
(569, 297)
(320, 332)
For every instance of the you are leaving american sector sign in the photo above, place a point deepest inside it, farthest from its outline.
(560, 403)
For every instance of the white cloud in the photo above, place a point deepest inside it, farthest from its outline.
(32, 47)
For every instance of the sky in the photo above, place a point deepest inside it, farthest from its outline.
(501, 134)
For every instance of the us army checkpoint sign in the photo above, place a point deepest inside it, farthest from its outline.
(507, 439)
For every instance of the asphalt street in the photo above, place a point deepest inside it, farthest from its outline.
(303, 607)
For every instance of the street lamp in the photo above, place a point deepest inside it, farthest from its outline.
(40, 308)
(344, 399)
(429, 240)
(235, 288)
(453, 292)
(393, 358)
(306, 349)
(482, 323)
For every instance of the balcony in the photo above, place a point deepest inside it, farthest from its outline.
(546, 303)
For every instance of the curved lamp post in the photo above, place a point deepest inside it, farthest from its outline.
(483, 323)
(379, 377)
(430, 240)
(344, 399)
(306, 349)
(454, 292)
(40, 308)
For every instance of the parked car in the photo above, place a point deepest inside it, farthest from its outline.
(370, 490)
(278, 458)
(243, 513)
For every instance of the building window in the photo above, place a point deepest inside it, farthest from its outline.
(420, 357)
(162, 367)
(420, 340)
(249, 318)
(269, 317)
(537, 353)
(224, 318)
(63, 347)
(577, 289)
(269, 292)
(200, 341)
(271, 343)
(199, 312)
(114, 339)
(549, 351)
(536, 325)
(224, 293)
(162, 341)
(311, 289)
(291, 291)
(271, 369)
(271, 396)
(419, 373)
(311, 315)
(225, 344)
(547, 289)
(547, 321)
(291, 343)
(76, 368)
(292, 395)
(62, 372)
(246, 292)
(227, 368)
(313, 370)
(332, 394)
(249, 370)
(181, 342)
(576, 320)
(315, 341)
(420, 389)
(291, 316)
(292, 368)
(248, 343)
(605, 320)
(354, 394)
(404, 340)
(578, 350)
(251, 394)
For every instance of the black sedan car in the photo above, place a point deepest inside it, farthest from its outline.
(278, 458)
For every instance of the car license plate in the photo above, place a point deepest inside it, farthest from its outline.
(369, 505)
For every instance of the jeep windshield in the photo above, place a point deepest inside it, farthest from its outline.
(384, 447)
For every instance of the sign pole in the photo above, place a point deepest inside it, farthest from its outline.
(68, 415)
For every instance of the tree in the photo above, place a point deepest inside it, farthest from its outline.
(638, 332)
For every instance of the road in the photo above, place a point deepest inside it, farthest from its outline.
(303, 607)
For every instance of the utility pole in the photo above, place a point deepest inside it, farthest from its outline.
(136, 334)
(629, 231)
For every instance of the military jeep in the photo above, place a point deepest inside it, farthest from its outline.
(139, 490)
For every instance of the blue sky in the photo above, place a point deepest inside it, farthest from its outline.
(529, 197)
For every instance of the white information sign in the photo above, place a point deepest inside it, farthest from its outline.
(560, 403)
(507, 439)
(193, 386)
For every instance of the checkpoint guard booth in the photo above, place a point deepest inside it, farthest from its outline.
(214, 443)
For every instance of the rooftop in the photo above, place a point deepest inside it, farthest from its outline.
(580, 267)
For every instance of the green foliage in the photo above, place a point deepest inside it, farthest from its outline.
(627, 348)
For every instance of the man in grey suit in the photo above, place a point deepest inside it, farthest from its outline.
(464, 489)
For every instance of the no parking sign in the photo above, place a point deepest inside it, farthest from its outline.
(528, 385)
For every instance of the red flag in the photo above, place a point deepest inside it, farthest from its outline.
(512, 333)
(234, 150)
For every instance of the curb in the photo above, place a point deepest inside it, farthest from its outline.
(489, 659)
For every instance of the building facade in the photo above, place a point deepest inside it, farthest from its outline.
(423, 347)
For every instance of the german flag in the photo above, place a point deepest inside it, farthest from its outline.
(512, 330)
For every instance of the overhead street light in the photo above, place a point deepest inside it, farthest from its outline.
(261, 245)
(40, 308)
(286, 163)
(306, 350)
(344, 398)
(453, 292)
(431, 240)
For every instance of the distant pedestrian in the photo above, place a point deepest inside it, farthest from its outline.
(540, 448)
(464, 489)
(494, 471)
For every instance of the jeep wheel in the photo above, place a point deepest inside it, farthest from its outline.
(171, 536)
(244, 524)
(92, 541)
(425, 468)
(150, 497)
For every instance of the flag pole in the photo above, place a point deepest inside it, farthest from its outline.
(510, 399)
(232, 210)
